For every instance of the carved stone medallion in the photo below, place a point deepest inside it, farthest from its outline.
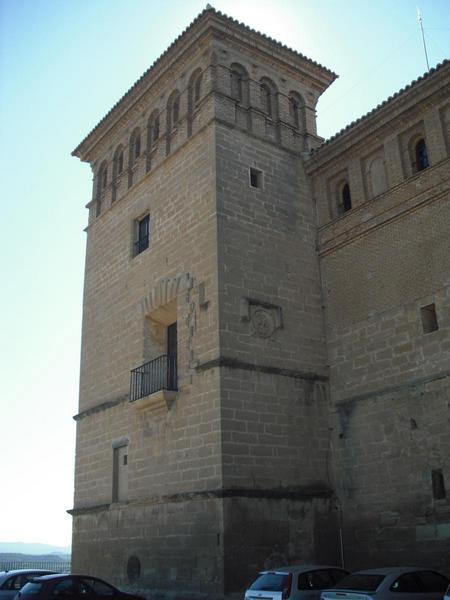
(263, 322)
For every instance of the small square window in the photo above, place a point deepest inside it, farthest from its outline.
(429, 318)
(142, 235)
(256, 178)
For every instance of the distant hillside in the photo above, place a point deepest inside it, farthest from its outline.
(38, 558)
(25, 548)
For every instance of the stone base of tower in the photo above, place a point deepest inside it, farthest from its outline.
(262, 533)
(202, 547)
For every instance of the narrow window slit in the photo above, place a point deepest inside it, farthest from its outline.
(255, 178)
(437, 482)
(429, 318)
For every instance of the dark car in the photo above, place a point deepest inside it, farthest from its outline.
(447, 594)
(12, 581)
(391, 583)
(71, 587)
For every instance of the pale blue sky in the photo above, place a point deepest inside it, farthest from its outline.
(63, 64)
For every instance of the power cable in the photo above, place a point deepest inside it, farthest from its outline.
(363, 80)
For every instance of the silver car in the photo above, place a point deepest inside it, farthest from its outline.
(12, 581)
(295, 582)
(390, 583)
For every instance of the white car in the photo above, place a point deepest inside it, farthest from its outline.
(390, 583)
(295, 582)
(447, 594)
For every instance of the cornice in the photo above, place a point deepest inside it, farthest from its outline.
(234, 363)
(382, 115)
(319, 76)
(348, 235)
(207, 22)
(100, 407)
(346, 402)
(297, 493)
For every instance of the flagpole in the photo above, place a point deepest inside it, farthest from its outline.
(419, 18)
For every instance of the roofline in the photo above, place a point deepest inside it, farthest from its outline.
(381, 107)
(80, 151)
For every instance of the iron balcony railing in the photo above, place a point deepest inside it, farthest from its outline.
(158, 374)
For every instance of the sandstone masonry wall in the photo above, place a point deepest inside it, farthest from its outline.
(382, 261)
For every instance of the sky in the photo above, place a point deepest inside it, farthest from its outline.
(63, 64)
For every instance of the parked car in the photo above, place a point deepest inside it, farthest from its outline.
(12, 581)
(447, 594)
(393, 583)
(71, 587)
(295, 582)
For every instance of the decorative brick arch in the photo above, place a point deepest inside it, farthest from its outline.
(269, 97)
(160, 303)
(376, 176)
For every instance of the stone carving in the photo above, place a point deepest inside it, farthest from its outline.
(264, 318)
(262, 322)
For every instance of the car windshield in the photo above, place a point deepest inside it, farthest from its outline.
(31, 588)
(271, 582)
(361, 581)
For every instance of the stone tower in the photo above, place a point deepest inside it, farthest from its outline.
(202, 433)
(265, 354)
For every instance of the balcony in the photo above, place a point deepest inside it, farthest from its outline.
(154, 383)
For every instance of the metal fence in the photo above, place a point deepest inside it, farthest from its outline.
(58, 567)
(158, 374)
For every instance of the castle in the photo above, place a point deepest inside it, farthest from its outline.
(265, 371)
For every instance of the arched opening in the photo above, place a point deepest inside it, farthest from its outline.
(173, 111)
(134, 153)
(194, 94)
(102, 178)
(152, 135)
(269, 98)
(377, 177)
(117, 169)
(269, 107)
(239, 83)
(421, 155)
(137, 147)
(266, 100)
(118, 162)
(296, 111)
(195, 87)
(446, 122)
(344, 203)
(102, 181)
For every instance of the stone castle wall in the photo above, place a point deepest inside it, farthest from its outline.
(382, 262)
